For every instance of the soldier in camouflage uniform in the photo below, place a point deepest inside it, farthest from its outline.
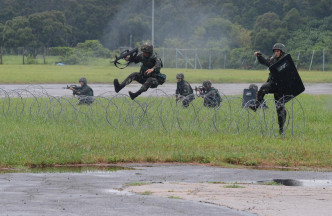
(149, 75)
(211, 95)
(84, 93)
(183, 92)
(270, 86)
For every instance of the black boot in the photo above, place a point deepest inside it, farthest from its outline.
(254, 106)
(134, 95)
(117, 86)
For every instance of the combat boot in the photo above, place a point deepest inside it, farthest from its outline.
(117, 85)
(134, 95)
(254, 106)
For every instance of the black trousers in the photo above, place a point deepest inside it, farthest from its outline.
(268, 88)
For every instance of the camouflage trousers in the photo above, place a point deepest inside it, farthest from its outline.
(85, 100)
(268, 88)
(186, 100)
(147, 82)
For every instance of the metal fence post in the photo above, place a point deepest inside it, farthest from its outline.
(163, 56)
(210, 60)
(176, 57)
(185, 56)
(1, 54)
(44, 55)
(23, 55)
(312, 57)
(225, 60)
(323, 60)
(195, 59)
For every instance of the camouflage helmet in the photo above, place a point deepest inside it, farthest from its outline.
(147, 47)
(83, 79)
(207, 84)
(179, 76)
(253, 86)
(279, 46)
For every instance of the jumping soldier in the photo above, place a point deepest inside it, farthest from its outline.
(84, 93)
(149, 75)
(270, 86)
(211, 95)
(183, 92)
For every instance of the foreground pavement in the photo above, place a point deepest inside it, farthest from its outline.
(108, 193)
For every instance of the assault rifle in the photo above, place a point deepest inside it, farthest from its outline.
(75, 87)
(71, 86)
(132, 55)
(199, 93)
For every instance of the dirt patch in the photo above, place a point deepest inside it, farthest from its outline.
(260, 199)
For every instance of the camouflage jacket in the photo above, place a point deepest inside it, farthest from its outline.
(147, 63)
(183, 88)
(212, 95)
(268, 62)
(83, 90)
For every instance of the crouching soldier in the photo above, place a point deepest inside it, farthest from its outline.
(84, 92)
(211, 95)
(183, 92)
(149, 75)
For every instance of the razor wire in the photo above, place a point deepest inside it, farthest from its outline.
(157, 111)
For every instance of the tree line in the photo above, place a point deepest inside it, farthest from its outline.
(212, 24)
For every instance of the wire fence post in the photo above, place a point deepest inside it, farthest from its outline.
(312, 57)
(1, 52)
(23, 55)
(44, 55)
(176, 57)
(164, 56)
(210, 60)
(195, 59)
(225, 60)
(323, 60)
(298, 59)
(186, 58)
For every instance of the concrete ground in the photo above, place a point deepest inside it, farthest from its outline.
(165, 189)
(168, 88)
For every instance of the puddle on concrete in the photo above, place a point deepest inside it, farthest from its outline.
(67, 169)
(295, 182)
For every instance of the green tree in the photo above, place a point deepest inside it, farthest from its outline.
(17, 33)
(50, 28)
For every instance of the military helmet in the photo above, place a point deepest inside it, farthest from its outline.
(279, 46)
(83, 79)
(147, 47)
(253, 86)
(179, 76)
(207, 84)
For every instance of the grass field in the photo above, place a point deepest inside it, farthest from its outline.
(32, 74)
(33, 139)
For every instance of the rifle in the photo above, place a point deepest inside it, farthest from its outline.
(199, 93)
(72, 86)
(132, 55)
(75, 87)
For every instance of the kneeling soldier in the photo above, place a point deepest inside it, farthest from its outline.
(183, 92)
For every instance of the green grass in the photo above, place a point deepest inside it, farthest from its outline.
(233, 186)
(105, 73)
(69, 138)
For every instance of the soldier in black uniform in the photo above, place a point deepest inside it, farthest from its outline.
(84, 93)
(183, 92)
(270, 86)
(149, 75)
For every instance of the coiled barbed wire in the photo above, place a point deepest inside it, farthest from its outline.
(158, 110)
